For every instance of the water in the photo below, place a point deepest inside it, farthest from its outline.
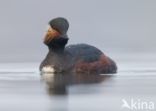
(22, 88)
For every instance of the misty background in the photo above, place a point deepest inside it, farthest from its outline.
(114, 26)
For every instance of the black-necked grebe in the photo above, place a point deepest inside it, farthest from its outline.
(79, 58)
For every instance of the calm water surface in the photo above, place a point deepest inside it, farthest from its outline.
(22, 88)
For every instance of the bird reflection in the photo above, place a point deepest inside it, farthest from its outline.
(57, 84)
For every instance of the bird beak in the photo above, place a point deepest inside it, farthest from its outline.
(50, 34)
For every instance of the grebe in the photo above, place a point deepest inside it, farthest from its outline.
(79, 58)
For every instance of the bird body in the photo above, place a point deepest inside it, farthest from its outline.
(78, 58)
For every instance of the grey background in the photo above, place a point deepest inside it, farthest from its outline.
(114, 26)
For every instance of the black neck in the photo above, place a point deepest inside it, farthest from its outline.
(57, 44)
(57, 49)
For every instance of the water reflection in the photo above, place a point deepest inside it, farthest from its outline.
(57, 84)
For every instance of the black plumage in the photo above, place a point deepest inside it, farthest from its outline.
(79, 58)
